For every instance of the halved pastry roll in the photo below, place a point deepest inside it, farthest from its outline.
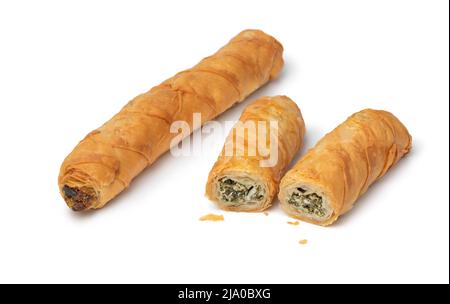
(256, 153)
(329, 179)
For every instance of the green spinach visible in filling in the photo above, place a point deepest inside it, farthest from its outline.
(310, 203)
(234, 192)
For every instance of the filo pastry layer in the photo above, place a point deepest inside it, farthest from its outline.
(246, 175)
(331, 177)
(104, 163)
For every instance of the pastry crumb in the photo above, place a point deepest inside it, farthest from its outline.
(266, 213)
(303, 242)
(296, 223)
(212, 217)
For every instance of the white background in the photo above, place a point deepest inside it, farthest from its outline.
(67, 66)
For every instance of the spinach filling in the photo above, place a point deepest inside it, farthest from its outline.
(234, 192)
(309, 203)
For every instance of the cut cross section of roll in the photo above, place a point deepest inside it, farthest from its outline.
(246, 177)
(330, 178)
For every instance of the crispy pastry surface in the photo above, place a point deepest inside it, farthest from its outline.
(343, 164)
(104, 163)
(242, 164)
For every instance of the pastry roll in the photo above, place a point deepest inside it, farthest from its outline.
(104, 163)
(329, 179)
(256, 153)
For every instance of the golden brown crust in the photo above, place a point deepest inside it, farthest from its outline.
(291, 130)
(347, 161)
(296, 223)
(212, 218)
(107, 160)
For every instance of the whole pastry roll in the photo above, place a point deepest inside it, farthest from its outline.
(255, 155)
(104, 163)
(330, 178)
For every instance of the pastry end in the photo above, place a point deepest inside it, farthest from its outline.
(308, 204)
(78, 199)
(240, 194)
